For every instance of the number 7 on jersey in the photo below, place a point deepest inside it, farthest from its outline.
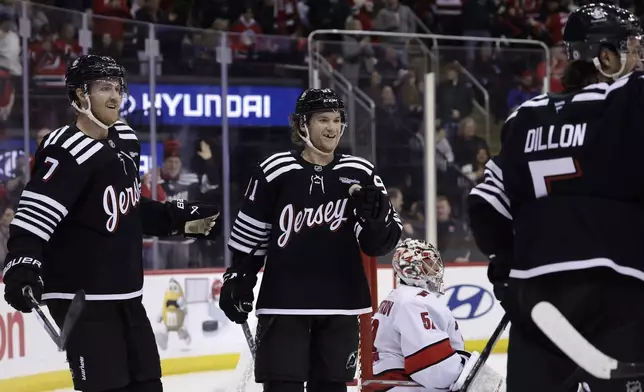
(548, 170)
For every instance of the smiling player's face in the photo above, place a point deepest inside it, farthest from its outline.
(324, 130)
(106, 96)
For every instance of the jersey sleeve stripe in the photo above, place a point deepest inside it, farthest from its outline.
(357, 229)
(492, 178)
(47, 201)
(127, 136)
(244, 234)
(38, 214)
(428, 356)
(72, 139)
(495, 169)
(254, 222)
(25, 217)
(56, 135)
(276, 162)
(239, 223)
(81, 145)
(272, 157)
(88, 154)
(242, 248)
(55, 216)
(282, 170)
(245, 241)
(493, 201)
(123, 127)
(30, 228)
(350, 158)
(355, 165)
(491, 189)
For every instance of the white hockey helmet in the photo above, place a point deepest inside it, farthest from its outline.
(418, 263)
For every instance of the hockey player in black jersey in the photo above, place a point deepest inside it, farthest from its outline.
(561, 210)
(297, 216)
(79, 224)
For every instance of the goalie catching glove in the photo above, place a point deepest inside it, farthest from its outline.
(193, 219)
(486, 380)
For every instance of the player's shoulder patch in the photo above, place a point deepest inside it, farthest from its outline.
(352, 162)
(125, 132)
(80, 146)
(278, 164)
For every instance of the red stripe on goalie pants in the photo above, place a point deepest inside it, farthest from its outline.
(428, 356)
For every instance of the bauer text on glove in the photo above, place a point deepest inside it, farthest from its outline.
(18, 272)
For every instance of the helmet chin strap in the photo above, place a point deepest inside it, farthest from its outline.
(89, 114)
(307, 139)
(622, 57)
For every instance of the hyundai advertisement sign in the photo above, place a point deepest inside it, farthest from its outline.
(192, 104)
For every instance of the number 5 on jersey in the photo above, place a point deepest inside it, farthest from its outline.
(548, 170)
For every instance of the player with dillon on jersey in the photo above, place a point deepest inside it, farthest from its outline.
(561, 209)
(416, 337)
(79, 225)
(298, 215)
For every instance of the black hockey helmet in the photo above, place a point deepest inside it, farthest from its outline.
(315, 100)
(597, 25)
(88, 68)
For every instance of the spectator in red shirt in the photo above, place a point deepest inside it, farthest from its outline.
(109, 33)
(246, 31)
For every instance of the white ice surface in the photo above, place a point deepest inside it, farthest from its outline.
(218, 381)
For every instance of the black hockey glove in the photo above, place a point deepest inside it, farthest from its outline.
(193, 219)
(371, 205)
(499, 275)
(237, 297)
(18, 273)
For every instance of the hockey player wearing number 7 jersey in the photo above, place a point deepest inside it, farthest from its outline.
(416, 337)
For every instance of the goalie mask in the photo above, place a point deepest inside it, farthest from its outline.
(418, 263)
(101, 80)
(313, 101)
(593, 27)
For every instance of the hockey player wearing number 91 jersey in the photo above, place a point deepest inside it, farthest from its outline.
(416, 337)
(299, 217)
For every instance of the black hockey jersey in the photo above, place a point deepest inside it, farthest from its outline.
(80, 215)
(566, 192)
(300, 216)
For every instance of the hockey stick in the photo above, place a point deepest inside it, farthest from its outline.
(73, 314)
(486, 351)
(559, 330)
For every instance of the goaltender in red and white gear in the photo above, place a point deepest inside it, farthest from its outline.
(416, 337)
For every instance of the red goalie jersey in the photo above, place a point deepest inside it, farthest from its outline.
(417, 338)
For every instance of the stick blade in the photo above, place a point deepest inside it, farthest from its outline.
(559, 330)
(74, 312)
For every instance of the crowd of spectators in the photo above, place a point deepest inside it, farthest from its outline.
(265, 35)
